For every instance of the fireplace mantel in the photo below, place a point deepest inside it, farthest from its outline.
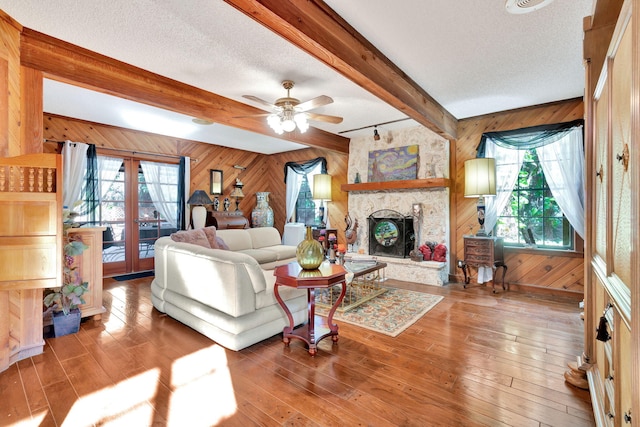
(398, 185)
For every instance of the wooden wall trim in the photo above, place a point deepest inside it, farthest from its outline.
(61, 60)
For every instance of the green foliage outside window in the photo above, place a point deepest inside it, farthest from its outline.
(305, 206)
(532, 211)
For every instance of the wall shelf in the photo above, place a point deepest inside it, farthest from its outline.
(398, 185)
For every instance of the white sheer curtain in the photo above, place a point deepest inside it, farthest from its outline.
(108, 168)
(293, 189)
(508, 165)
(162, 180)
(294, 180)
(563, 166)
(74, 157)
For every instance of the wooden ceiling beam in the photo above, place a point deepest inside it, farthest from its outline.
(71, 63)
(317, 29)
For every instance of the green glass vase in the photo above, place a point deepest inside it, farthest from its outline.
(309, 252)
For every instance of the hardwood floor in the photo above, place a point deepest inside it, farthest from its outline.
(475, 359)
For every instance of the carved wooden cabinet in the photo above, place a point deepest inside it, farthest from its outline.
(89, 265)
(480, 251)
(612, 266)
(30, 255)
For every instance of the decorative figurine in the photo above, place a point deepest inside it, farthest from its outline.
(216, 204)
(226, 204)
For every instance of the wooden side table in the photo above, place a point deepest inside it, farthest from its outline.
(326, 276)
(483, 252)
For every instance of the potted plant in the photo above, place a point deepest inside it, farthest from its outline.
(64, 301)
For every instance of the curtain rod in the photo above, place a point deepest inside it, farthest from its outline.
(146, 153)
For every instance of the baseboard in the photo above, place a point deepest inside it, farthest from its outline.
(531, 289)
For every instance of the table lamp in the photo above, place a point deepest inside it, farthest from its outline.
(322, 192)
(480, 181)
(237, 193)
(198, 200)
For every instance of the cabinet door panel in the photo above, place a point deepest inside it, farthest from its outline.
(620, 138)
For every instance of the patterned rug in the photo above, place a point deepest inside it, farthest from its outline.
(390, 313)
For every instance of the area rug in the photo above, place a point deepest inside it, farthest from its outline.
(390, 313)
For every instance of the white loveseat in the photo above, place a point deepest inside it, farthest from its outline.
(226, 294)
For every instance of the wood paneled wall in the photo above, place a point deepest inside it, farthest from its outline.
(262, 173)
(533, 270)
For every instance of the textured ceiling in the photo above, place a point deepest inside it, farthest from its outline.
(471, 56)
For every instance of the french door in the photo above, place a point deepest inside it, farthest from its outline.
(132, 220)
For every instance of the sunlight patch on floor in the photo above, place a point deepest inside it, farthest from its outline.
(203, 391)
(36, 420)
(126, 403)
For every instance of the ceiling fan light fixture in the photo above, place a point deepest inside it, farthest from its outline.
(274, 123)
(301, 122)
(288, 125)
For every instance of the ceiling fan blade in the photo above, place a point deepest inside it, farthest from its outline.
(261, 101)
(324, 118)
(314, 103)
(253, 115)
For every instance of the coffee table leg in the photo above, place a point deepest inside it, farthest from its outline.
(333, 326)
(287, 329)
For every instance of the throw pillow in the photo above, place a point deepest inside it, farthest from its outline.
(195, 237)
(214, 241)
(222, 244)
(210, 232)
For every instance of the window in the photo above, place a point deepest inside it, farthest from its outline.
(539, 182)
(305, 205)
(531, 215)
(299, 179)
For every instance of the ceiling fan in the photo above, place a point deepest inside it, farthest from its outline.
(288, 113)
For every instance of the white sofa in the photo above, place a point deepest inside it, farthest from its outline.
(227, 295)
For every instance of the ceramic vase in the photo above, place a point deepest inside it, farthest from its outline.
(310, 253)
(262, 214)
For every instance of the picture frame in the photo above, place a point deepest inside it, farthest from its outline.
(393, 164)
(215, 181)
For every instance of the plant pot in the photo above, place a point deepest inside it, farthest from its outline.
(66, 324)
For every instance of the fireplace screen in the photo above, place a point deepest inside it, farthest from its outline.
(390, 234)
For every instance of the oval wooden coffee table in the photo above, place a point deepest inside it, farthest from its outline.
(326, 276)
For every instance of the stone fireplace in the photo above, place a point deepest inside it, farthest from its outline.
(433, 162)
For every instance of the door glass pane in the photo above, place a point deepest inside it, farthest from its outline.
(157, 204)
(111, 214)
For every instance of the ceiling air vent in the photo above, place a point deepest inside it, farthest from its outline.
(525, 6)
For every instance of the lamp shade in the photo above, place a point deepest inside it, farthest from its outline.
(237, 193)
(199, 197)
(322, 187)
(480, 177)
